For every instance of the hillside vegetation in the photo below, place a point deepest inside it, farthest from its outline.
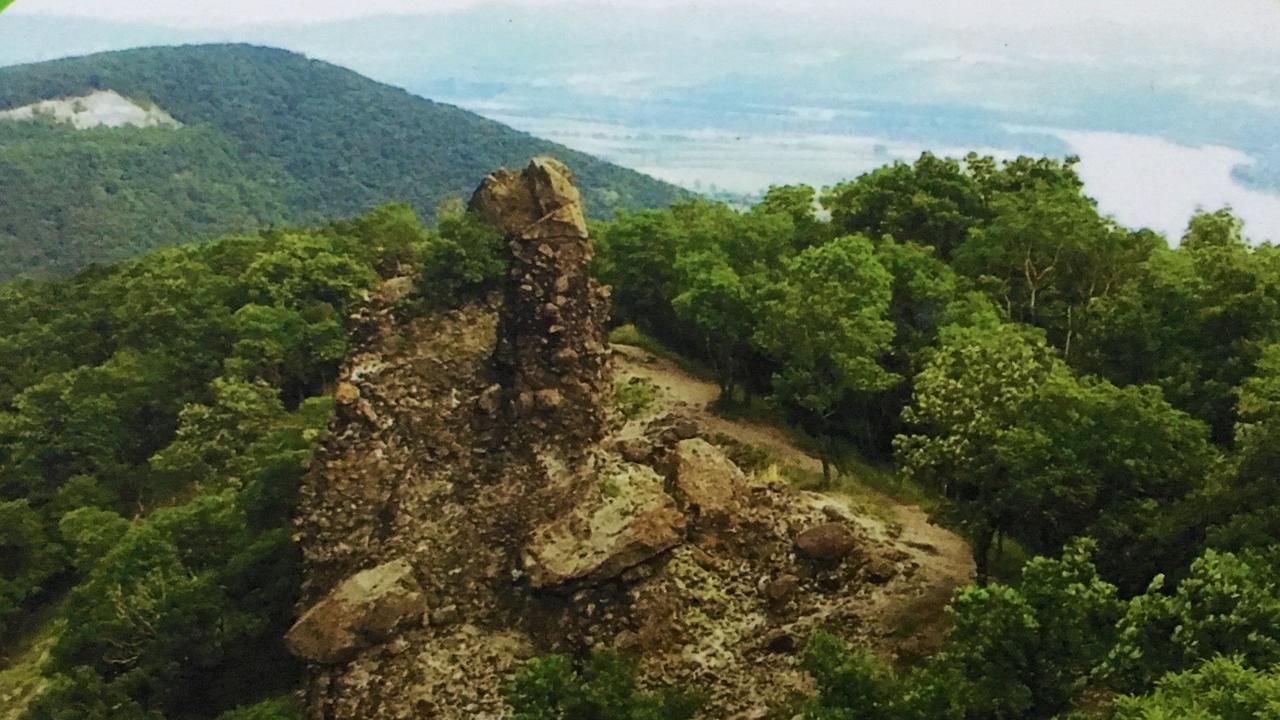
(270, 137)
(1048, 377)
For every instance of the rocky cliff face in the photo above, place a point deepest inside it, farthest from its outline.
(551, 352)
(477, 503)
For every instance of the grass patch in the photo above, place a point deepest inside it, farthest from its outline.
(883, 478)
(22, 678)
(635, 397)
(1007, 559)
(629, 334)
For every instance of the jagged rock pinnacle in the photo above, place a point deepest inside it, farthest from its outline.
(552, 351)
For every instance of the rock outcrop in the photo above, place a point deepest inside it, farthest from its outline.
(625, 520)
(364, 609)
(706, 482)
(551, 337)
(475, 463)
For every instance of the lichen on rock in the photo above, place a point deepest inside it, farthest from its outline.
(364, 609)
(625, 521)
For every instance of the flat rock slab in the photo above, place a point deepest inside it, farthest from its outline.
(705, 479)
(363, 610)
(627, 519)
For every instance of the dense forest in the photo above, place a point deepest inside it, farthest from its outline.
(1053, 383)
(269, 138)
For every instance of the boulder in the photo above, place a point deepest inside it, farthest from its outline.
(782, 588)
(704, 479)
(828, 541)
(670, 428)
(362, 610)
(636, 449)
(880, 571)
(627, 520)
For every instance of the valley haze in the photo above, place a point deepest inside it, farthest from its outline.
(1171, 106)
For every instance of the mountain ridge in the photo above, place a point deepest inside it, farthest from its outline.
(325, 142)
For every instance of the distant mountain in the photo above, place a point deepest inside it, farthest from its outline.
(265, 137)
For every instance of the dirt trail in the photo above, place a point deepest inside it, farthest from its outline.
(945, 559)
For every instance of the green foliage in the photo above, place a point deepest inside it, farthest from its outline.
(29, 559)
(466, 256)
(851, 685)
(825, 324)
(75, 197)
(91, 533)
(1194, 320)
(153, 440)
(1228, 605)
(1051, 377)
(634, 397)
(1020, 446)
(603, 687)
(269, 137)
(933, 202)
(1220, 689)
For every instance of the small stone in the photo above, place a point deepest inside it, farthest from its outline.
(782, 588)
(548, 398)
(490, 400)
(565, 356)
(671, 428)
(346, 393)
(446, 615)
(880, 571)
(833, 513)
(635, 449)
(829, 541)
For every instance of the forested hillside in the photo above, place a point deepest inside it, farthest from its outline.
(1047, 382)
(270, 137)
(155, 416)
(1050, 380)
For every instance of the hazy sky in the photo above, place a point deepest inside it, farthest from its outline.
(1227, 50)
(1182, 24)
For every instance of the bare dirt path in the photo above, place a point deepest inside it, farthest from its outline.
(944, 558)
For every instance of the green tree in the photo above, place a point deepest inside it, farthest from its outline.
(851, 684)
(932, 202)
(1222, 688)
(1194, 320)
(466, 256)
(826, 325)
(1048, 256)
(718, 305)
(968, 397)
(637, 256)
(602, 688)
(31, 558)
(1228, 605)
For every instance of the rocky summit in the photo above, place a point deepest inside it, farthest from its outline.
(477, 502)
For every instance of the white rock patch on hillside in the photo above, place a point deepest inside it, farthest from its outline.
(97, 109)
